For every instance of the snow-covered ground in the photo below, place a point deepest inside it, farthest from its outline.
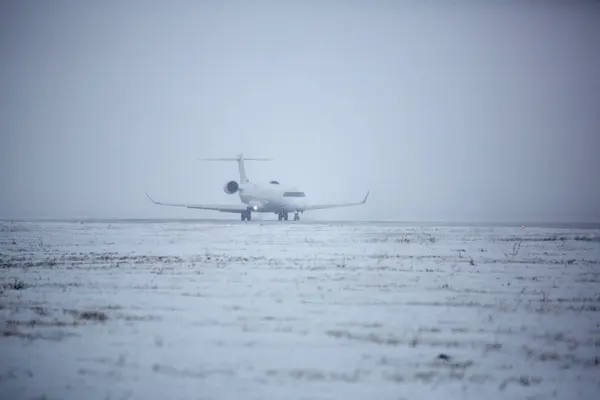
(275, 310)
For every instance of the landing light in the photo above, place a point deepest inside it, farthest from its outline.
(255, 208)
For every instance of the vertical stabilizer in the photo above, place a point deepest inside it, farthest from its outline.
(242, 169)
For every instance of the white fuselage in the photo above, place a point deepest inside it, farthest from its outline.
(271, 198)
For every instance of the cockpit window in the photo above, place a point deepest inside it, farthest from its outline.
(274, 183)
(293, 194)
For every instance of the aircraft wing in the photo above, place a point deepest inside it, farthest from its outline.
(324, 206)
(235, 208)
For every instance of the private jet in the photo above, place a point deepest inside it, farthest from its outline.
(261, 198)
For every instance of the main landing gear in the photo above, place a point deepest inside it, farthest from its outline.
(283, 216)
(246, 215)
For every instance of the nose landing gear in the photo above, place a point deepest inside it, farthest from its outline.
(296, 216)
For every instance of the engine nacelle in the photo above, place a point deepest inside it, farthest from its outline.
(231, 187)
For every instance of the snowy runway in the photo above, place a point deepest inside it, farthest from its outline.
(231, 310)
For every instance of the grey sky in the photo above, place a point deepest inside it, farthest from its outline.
(458, 112)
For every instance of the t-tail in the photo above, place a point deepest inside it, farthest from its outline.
(240, 160)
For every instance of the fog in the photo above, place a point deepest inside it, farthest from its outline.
(455, 112)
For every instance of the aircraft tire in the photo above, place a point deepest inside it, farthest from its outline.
(246, 216)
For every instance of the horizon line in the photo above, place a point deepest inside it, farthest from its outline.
(133, 219)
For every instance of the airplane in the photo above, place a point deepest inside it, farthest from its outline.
(261, 198)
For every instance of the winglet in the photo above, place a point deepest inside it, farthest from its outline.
(366, 196)
(151, 199)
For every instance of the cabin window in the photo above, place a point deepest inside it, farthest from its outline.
(293, 194)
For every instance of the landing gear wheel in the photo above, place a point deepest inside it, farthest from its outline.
(246, 216)
(282, 216)
(296, 216)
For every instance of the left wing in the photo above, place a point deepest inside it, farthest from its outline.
(237, 208)
(324, 206)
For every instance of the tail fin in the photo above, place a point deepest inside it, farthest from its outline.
(240, 160)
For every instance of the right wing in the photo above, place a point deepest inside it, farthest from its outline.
(324, 206)
(239, 208)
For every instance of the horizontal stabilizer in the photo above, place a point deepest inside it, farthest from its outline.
(235, 159)
(240, 160)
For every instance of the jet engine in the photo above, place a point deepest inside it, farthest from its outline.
(231, 187)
